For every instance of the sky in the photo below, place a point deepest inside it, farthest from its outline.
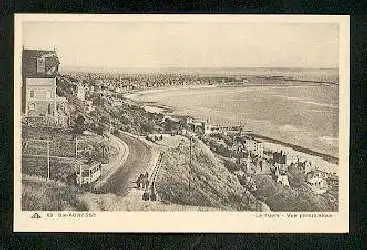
(184, 44)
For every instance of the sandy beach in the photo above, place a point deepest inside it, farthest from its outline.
(324, 162)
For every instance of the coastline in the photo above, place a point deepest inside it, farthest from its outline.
(168, 110)
(297, 148)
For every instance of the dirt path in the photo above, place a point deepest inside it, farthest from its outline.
(116, 163)
(120, 192)
(137, 161)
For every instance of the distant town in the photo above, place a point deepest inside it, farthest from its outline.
(87, 146)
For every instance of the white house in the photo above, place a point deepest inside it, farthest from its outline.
(90, 107)
(317, 183)
(189, 120)
(283, 179)
(256, 148)
(79, 91)
(88, 173)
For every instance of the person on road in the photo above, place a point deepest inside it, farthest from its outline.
(145, 196)
(139, 181)
(153, 196)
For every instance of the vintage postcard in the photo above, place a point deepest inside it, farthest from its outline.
(181, 123)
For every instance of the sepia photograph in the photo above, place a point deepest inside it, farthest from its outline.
(190, 115)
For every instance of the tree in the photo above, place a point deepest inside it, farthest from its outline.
(147, 127)
(102, 128)
(182, 123)
(79, 125)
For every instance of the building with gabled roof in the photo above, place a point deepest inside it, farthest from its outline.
(38, 65)
(39, 77)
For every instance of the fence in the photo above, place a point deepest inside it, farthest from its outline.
(43, 121)
(51, 158)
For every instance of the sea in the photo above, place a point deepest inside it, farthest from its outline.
(304, 115)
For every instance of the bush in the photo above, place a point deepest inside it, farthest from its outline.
(102, 129)
(280, 198)
(79, 126)
(296, 177)
(147, 127)
(231, 166)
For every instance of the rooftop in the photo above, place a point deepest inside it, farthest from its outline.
(86, 166)
(33, 67)
(61, 98)
(39, 53)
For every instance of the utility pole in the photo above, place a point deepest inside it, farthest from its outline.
(190, 167)
(48, 160)
(76, 147)
(110, 126)
(80, 174)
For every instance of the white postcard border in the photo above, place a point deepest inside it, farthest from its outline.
(251, 222)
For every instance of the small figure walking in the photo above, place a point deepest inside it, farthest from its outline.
(145, 196)
(153, 196)
(139, 182)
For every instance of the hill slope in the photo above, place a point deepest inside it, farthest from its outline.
(211, 184)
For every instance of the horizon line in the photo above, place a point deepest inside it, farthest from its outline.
(198, 67)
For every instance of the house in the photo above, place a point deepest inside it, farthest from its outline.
(40, 97)
(208, 128)
(305, 166)
(39, 71)
(316, 182)
(280, 157)
(189, 120)
(87, 173)
(79, 91)
(89, 107)
(280, 162)
(219, 129)
(125, 88)
(39, 77)
(283, 179)
(256, 148)
(195, 126)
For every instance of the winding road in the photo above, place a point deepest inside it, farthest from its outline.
(137, 160)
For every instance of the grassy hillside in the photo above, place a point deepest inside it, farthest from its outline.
(211, 184)
(41, 195)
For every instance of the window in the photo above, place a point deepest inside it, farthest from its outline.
(32, 107)
(48, 94)
(49, 109)
(41, 67)
(31, 93)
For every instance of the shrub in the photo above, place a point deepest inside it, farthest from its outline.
(231, 166)
(79, 126)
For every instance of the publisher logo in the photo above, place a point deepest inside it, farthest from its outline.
(36, 216)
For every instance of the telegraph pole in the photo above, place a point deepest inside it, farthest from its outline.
(48, 160)
(80, 174)
(190, 167)
(76, 147)
(110, 127)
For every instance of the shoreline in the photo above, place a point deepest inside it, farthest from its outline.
(274, 82)
(325, 157)
(167, 110)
